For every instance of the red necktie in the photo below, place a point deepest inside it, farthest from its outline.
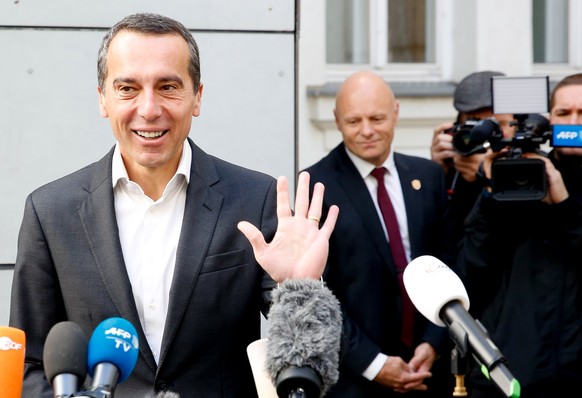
(398, 254)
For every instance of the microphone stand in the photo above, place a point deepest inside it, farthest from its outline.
(459, 368)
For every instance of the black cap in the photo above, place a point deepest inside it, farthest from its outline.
(474, 92)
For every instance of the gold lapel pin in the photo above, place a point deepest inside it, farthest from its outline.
(415, 184)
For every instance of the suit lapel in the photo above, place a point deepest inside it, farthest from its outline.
(97, 216)
(410, 194)
(201, 212)
(356, 190)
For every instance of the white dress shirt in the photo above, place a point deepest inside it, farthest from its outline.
(149, 232)
(392, 182)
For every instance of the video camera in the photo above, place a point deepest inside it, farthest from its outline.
(513, 178)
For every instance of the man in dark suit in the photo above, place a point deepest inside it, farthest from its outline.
(361, 268)
(149, 232)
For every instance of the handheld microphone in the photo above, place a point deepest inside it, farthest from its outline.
(12, 350)
(304, 329)
(112, 355)
(438, 294)
(65, 358)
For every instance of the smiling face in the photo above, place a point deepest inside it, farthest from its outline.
(149, 99)
(366, 114)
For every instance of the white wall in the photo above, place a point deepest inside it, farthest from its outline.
(50, 122)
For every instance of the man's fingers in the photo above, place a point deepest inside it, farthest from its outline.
(302, 195)
(330, 221)
(254, 236)
(283, 206)
(316, 202)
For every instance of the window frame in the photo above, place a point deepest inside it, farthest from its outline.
(378, 36)
(574, 63)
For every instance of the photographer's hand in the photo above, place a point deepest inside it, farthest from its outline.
(486, 163)
(468, 165)
(557, 191)
(441, 147)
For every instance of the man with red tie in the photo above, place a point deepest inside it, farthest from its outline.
(392, 209)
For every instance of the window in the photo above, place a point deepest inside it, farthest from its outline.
(380, 33)
(550, 31)
(557, 36)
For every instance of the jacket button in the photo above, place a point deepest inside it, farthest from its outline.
(161, 386)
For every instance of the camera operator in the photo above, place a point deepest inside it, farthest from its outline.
(521, 264)
(472, 99)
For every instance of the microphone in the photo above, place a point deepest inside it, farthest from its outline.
(12, 350)
(438, 294)
(304, 329)
(112, 355)
(65, 358)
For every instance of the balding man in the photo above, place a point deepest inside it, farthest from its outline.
(384, 354)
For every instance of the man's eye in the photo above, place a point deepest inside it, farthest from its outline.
(124, 90)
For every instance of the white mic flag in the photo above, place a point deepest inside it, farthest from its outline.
(430, 285)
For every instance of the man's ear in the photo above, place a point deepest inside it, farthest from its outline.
(198, 101)
(102, 107)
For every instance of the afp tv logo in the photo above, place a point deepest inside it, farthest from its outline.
(567, 135)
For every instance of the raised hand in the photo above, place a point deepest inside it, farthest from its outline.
(300, 247)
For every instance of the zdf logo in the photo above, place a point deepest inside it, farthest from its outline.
(7, 344)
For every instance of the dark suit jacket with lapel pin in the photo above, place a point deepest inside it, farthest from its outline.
(360, 270)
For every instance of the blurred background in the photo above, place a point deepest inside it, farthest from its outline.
(270, 69)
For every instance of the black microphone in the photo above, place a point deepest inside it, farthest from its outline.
(304, 329)
(65, 358)
(112, 355)
(438, 294)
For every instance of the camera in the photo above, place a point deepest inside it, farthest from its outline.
(468, 138)
(514, 178)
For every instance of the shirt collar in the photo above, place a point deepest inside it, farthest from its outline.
(365, 168)
(119, 172)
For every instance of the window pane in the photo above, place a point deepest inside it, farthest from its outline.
(550, 31)
(347, 30)
(411, 31)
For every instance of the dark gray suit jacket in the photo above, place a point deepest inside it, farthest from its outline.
(360, 269)
(70, 267)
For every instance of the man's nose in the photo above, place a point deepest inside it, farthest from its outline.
(367, 128)
(149, 106)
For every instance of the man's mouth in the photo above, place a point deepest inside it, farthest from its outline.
(150, 134)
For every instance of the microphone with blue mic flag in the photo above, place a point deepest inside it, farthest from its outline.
(112, 355)
(109, 358)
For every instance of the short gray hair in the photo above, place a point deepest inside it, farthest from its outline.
(155, 24)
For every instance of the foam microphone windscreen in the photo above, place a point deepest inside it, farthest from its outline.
(304, 329)
(431, 284)
(65, 352)
(114, 341)
(12, 350)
